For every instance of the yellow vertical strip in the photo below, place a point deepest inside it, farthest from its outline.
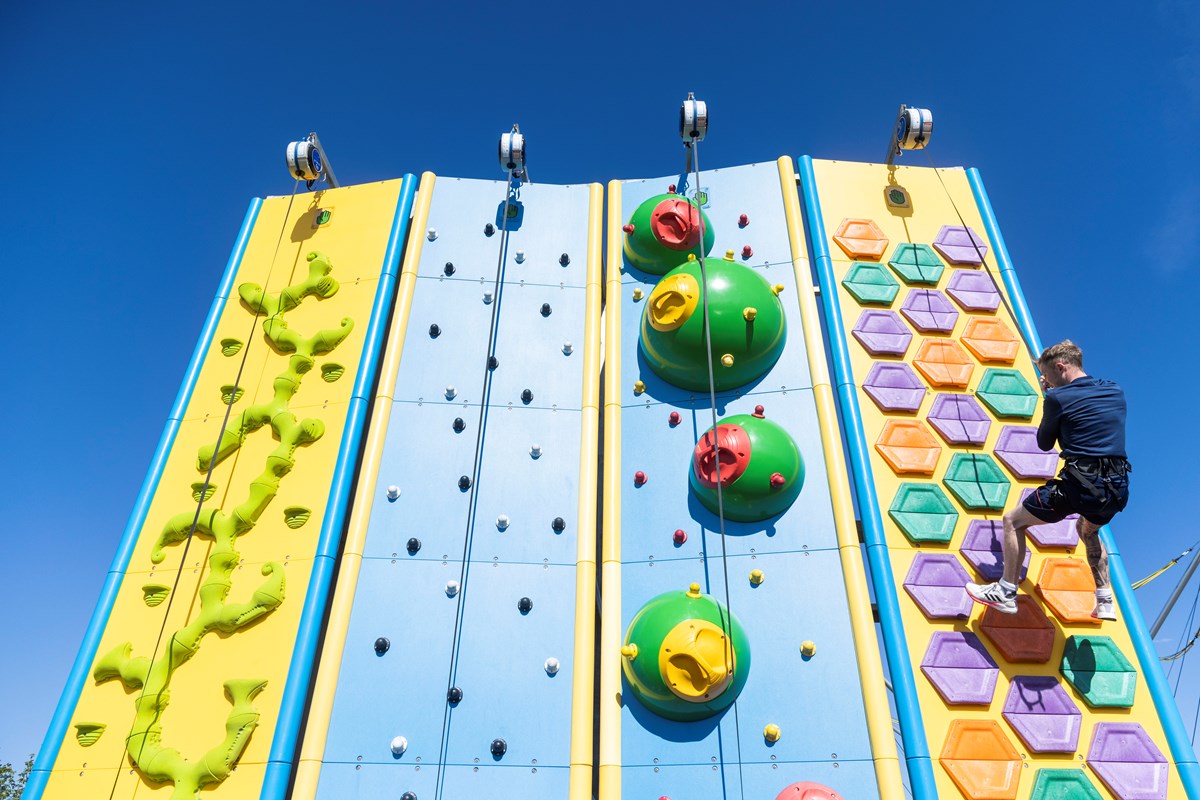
(330, 664)
(870, 666)
(610, 570)
(583, 682)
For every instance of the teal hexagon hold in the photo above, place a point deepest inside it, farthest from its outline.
(917, 264)
(924, 513)
(976, 481)
(1007, 393)
(1063, 784)
(870, 284)
(1097, 669)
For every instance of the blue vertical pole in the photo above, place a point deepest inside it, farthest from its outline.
(1143, 645)
(912, 727)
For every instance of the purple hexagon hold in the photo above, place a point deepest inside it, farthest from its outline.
(960, 245)
(959, 667)
(1053, 534)
(894, 387)
(1127, 760)
(1043, 714)
(973, 291)
(1018, 449)
(929, 311)
(960, 419)
(882, 332)
(935, 582)
(983, 548)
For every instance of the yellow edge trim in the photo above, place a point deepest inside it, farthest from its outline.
(330, 665)
(582, 686)
(870, 666)
(610, 575)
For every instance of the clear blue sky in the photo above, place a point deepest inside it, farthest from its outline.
(135, 137)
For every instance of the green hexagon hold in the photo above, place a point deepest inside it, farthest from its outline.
(665, 230)
(746, 322)
(1007, 393)
(1099, 671)
(976, 481)
(762, 469)
(924, 513)
(917, 264)
(870, 284)
(685, 656)
(1063, 784)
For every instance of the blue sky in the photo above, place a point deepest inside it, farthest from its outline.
(135, 136)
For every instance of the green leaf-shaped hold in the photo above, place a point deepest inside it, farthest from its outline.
(154, 593)
(231, 394)
(202, 492)
(230, 347)
(88, 733)
(295, 516)
(331, 372)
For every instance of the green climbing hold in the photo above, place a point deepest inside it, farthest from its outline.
(923, 513)
(154, 593)
(761, 467)
(870, 284)
(230, 347)
(1007, 393)
(665, 229)
(1063, 784)
(231, 394)
(976, 481)
(1099, 671)
(202, 492)
(917, 264)
(88, 733)
(295, 516)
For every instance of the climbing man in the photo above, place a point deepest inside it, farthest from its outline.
(1087, 417)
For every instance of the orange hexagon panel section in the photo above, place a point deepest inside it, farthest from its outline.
(943, 362)
(1025, 637)
(861, 238)
(1067, 586)
(908, 447)
(991, 341)
(981, 760)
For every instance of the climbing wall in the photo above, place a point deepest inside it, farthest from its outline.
(728, 665)
(1046, 703)
(199, 652)
(458, 660)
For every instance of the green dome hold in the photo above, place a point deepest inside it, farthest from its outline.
(685, 656)
(663, 231)
(762, 471)
(745, 314)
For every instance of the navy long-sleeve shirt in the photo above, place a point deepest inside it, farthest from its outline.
(1087, 417)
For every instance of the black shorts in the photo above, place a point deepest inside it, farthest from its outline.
(1066, 495)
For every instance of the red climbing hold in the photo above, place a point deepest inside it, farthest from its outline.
(628, 228)
(639, 478)
(676, 224)
(671, 188)
(674, 419)
(680, 536)
(732, 450)
(747, 251)
(777, 480)
(743, 221)
(758, 412)
(808, 791)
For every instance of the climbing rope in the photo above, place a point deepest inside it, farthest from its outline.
(203, 494)
(1180, 649)
(1164, 568)
(693, 166)
(468, 538)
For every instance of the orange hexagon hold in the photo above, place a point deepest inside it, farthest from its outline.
(944, 363)
(991, 341)
(861, 238)
(1067, 586)
(1025, 637)
(981, 760)
(908, 447)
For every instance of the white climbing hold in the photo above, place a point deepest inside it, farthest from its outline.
(551, 665)
(502, 522)
(451, 588)
(520, 256)
(432, 234)
(487, 297)
(393, 492)
(399, 745)
(451, 392)
(567, 348)
(536, 451)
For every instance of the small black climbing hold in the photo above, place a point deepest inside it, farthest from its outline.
(499, 747)
(454, 696)
(414, 544)
(435, 331)
(489, 229)
(559, 525)
(459, 424)
(493, 362)
(524, 605)
(564, 259)
(408, 796)
(449, 268)
(464, 483)
(382, 645)
(545, 309)
(526, 396)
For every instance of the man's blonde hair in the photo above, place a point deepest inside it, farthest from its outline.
(1066, 350)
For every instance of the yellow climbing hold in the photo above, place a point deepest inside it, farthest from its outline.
(749, 313)
(637, 294)
(808, 648)
(729, 255)
(772, 733)
(673, 301)
(756, 576)
(638, 387)
(693, 590)
(696, 661)
(727, 360)
(777, 289)
(630, 651)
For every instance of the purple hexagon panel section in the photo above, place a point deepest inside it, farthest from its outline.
(959, 419)
(936, 582)
(1128, 761)
(960, 245)
(973, 291)
(983, 548)
(882, 332)
(929, 311)
(959, 667)
(1017, 447)
(1043, 714)
(1053, 534)
(894, 387)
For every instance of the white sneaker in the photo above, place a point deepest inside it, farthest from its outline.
(993, 595)
(1105, 609)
